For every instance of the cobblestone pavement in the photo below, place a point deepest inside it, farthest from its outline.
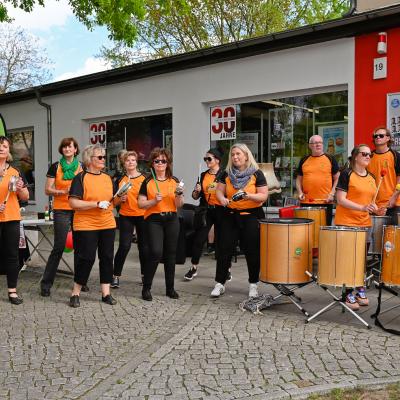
(191, 348)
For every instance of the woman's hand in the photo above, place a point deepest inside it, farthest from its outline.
(330, 198)
(225, 202)
(103, 204)
(123, 198)
(158, 197)
(381, 211)
(371, 208)
(2, 207)
(20, 184)
(302, 196)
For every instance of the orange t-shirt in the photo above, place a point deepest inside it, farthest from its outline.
(317, 173)
(55, 171)
(256, 180)
(92, 187)
(130, 207)
(209, 186)
(391, 163)
(361, 190)
(167, 189)
(12, 210)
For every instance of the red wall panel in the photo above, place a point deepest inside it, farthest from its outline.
(370, 94)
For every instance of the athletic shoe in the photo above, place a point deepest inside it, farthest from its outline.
(351, 302)
(190, 274)
(74, 301)
(228, 276)
(253, 292)
(210, 250)
(361, 297)
(218, 290)
(109, 300)
(115, 282)
(172, 294)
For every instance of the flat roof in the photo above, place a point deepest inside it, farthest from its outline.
(358, 24)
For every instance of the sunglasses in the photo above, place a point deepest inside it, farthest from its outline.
(207, 159)
(379, 135)
(366, 154)
(99, 157)
(160, 161)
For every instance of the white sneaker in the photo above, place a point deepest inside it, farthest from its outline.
(218, 290)
(253, 292)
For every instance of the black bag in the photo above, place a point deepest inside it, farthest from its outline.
(200, 218)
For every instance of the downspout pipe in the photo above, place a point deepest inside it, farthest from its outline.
(49, 126)
(352, 9)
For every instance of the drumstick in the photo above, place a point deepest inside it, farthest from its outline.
(383, 173)
(6, 199)
(155, 180)
(198, 178)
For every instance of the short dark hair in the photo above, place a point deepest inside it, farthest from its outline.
(387, 132)
(66, 142)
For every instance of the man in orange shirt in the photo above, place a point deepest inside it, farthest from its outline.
(317, 177)
(388, 160)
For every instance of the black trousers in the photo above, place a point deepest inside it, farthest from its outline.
(201, 235)
(162, 233)
(62, 224)
(329, 211)
(9, 247)
(246, 228)
(126, 226)
(86, 243)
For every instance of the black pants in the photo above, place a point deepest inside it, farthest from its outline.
(162, 233)
(201, 234)
(329, 211)
(392, 212)
(62, 224)
(86, 243)
(234, 226)
(9, 247)
(126, 226)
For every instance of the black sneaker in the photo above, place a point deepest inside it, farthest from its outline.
(74, 301)
(115, 282)
(228, 276)
(85, 288)
(45, 292)
(172, 294)
(210, 250)
(146, 295)
(109, 300)
(190, 274)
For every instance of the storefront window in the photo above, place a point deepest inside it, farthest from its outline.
(23, 156)
(139, 134)
(277, 131)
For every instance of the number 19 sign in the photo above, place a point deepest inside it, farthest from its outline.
(223, 122)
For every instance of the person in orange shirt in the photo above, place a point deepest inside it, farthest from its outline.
(130, 217)
(317, 177)
(160, 195)
(384, 158)
(58, 182)
(91, 196)
(355, 193)
(242, 190)
(12, 189)
(205, 190)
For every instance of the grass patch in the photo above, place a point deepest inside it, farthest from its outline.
(390, 392)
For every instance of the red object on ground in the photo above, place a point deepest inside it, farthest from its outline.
(69, 244)
(287, 212)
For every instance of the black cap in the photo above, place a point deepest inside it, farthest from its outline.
(216, 152)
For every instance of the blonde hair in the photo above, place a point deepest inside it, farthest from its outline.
(250, 162)
(88, 152)
(130, 153)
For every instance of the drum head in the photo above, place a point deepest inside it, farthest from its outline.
(287, 221)
(309, 208)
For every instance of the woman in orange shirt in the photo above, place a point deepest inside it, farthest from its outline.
(58, 182)
(130, 216)
(91, 196)
(355, 192)
(242, 190)
(10, 216)
(205, 190)
(160, 196)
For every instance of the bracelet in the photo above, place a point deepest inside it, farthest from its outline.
(97, 204)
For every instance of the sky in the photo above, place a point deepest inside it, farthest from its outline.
(69, 44)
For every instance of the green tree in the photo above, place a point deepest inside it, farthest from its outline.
(175, 27)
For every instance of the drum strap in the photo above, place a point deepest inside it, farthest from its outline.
(378, 310)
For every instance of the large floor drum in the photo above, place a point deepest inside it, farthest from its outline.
(390, 274)
(378, 223)
(317, 214)
(342, 256)
(286, 250)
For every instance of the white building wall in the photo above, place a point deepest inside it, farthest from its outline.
(188, 94)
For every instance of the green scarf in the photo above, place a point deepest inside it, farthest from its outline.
(69, 169)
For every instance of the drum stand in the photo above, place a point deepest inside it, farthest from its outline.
(373, 268)
(338, 301)
(284, 290)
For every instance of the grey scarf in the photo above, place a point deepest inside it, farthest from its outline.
(239, 179)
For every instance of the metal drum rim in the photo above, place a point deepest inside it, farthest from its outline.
(275, 221)
(344, 228)
(309, 208)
